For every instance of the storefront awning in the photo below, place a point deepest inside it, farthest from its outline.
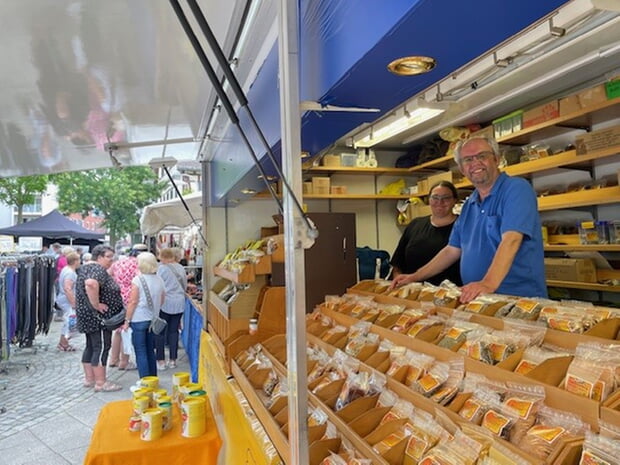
(157, 216)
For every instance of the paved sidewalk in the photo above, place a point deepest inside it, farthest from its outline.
(46, 415)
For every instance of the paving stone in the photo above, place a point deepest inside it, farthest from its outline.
(48, 408)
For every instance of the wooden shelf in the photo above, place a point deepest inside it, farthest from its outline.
(602, 196)
(359, 197)
(605, 195)
(245, 276)
(583, 118)
(265, 196)
(444, 161)
(583, 247)
(586, 286)
(568, 158)
(353, 170)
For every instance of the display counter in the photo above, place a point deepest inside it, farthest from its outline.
(113, 444)
(244, 439)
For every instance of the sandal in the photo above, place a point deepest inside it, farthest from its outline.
(108, 386)
(67, 348)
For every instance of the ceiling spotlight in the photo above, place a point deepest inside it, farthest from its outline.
(410, 66)
(269, 178)
(305, 154)
(248, 191)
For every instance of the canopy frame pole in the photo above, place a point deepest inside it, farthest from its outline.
(290, 122)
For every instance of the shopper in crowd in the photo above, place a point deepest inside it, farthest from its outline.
(175, 282)
(123, 271)
(180, 256)
(425, 236)
(86, 258)
(140, 312)
(61, 262)
(498, 235)
(54, 250)
(65, 298)
(199, 260)
(97, 297)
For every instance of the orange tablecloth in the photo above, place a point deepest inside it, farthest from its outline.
(113, 444)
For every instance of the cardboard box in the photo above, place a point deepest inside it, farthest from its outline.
(338, 190)
(422, 186)
(331, 160)
(320, 185)
(569, 105)
(435, 178)
(570, 269)
(307, 188)
(418, 209)
(592, 96)
(597, 140)
(541, 113)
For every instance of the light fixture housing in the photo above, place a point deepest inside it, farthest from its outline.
(403, 118)
(412, 65)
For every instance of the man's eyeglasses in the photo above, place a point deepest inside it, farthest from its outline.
(440, 198)
(482, 156)
(108, 256)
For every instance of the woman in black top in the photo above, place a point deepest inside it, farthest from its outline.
(97, 297)
(427, 235)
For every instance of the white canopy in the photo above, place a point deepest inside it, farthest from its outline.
(156, 217)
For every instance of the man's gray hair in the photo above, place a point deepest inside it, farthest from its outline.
(489, 140)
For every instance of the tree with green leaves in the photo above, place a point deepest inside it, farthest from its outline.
(21, 191)
(117, 195)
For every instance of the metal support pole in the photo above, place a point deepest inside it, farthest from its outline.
(206, 256)
(288, 44)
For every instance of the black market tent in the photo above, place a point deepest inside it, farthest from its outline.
(54, 225)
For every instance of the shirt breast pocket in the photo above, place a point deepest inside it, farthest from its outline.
(493, 229)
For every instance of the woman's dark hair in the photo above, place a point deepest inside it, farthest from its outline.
(448, 185)
(100, 250)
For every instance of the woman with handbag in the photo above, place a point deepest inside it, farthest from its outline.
(175, 282)
(146, 298)
(98, 297)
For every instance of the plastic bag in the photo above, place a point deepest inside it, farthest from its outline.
(72, 318)
(127, 344)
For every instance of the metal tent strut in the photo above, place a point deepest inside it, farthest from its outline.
(243, 101)
(312, 231)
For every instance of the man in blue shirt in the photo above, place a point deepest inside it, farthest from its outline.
(498, 235)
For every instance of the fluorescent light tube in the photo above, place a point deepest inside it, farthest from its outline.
(403, 120)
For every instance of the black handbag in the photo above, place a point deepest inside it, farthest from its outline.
(115, 321)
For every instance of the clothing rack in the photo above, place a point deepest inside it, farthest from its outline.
(26, 304)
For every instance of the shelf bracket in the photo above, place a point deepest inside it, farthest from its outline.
(575, 126)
